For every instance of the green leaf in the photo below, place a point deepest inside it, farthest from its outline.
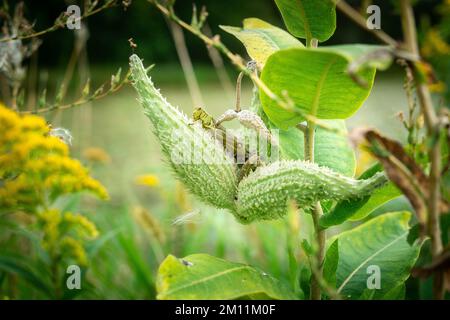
(331, 263)
(26, 271)
(331, 149)
(309, 19)
(201, 276)
(376, 200)
(397, 293)
(359, 208)
(261, 39)
(364, 55)
(380, 242)
(136, 262)
(316, 81)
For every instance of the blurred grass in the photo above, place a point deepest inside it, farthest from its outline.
(125, 259)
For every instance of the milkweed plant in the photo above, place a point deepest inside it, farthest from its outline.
(303, 93)
(291, 158)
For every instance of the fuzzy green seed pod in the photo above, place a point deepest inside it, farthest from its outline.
(198, 160)
(264, 194)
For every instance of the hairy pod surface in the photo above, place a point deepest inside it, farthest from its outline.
(264, 193)
(198, 160)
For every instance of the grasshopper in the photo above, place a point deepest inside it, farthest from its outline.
(247, 118)
(229, 142)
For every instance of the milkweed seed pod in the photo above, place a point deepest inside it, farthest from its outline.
(198, 160)
(203, 165)
(264, 193)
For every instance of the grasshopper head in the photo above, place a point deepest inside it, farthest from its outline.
(197, 114)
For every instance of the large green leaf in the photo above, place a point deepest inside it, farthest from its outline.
(309, 18)
(380, 242)
(376, 200)
(261, 39)
(317, 82)
(331, 149)
(359, 208)
(331, 263)
(201, 276)
(397, 293)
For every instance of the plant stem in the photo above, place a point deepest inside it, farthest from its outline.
(217, 61)
(238, 91)
(432, 124)
(186, 63)
(238, 62)
(317, 212)
(58, 24)
(360, 20)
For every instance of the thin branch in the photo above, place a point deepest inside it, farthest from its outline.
(238, 91)
(317, 212)
(186, 63)
(360, 20)
(94, 97)
(217, 61)
(61, 23)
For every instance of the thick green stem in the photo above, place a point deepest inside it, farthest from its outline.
(317, 211)
(316, 214)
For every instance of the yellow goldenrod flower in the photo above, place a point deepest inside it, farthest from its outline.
(84, 226)
(364, 161)
(94, 154)
(434, 44)
(35, 167)
(148, 180)
(65, 234)
(438, 87)
(75, 250)
(148, 222)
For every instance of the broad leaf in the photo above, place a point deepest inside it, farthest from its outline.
(376, 200)
(331, 263)
(331, 149)
(316, 81)
(381, 242)
(200, 276)
(309, 19)
(397, 293)
(364, 55)
(261, 39)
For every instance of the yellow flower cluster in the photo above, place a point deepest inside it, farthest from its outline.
(434, 44)
(65, 235)
(35, 168)
(97, 155)
(149, 180)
